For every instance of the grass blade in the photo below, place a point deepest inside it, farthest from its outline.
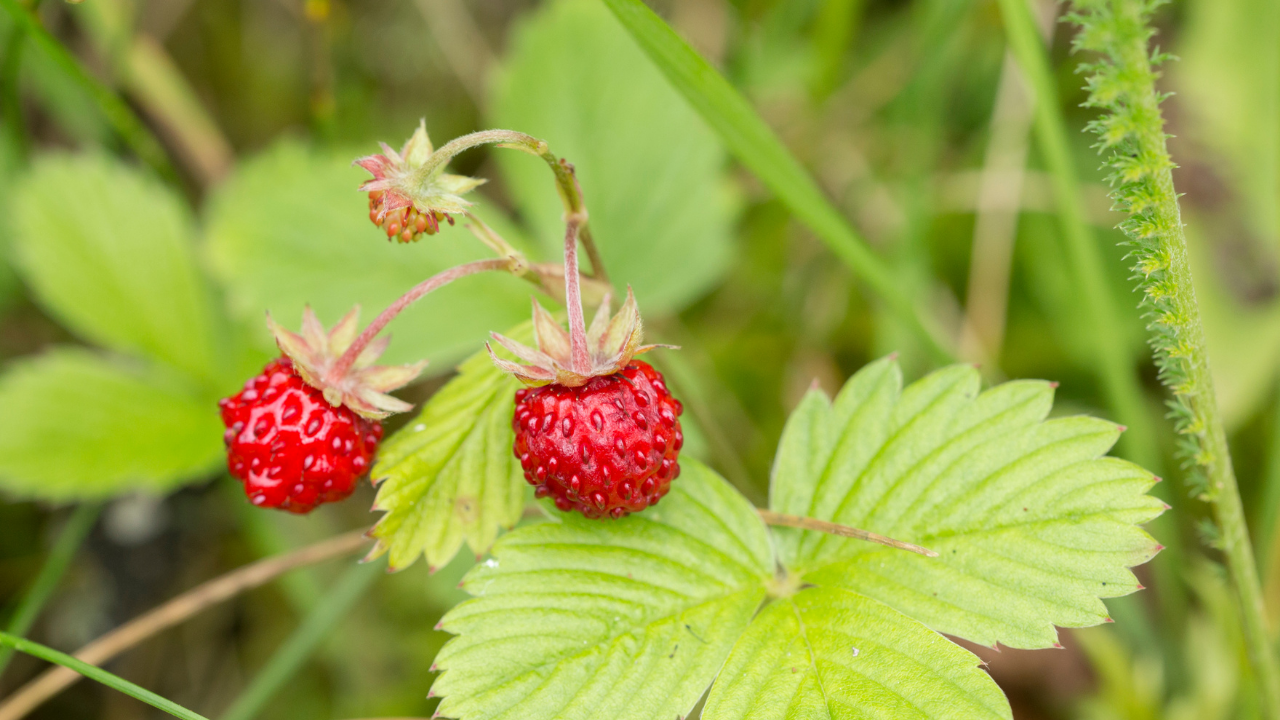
(96, 673)
(756, 146)
(55, 566)
(117, 112)
(295, 651)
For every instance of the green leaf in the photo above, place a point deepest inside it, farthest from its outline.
(608, 619)
(79, 425)
(290, 229)
(756, 146)
(1033, 524)
(829, 653)
(652, 172)
(450, 475)
(110, 253)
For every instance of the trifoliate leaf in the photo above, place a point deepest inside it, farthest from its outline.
(449, 475)
(289, 229)
(1032, 523)
(79, 425)
(627, 619)
(111, 254)
(651, 170)
(828, 653)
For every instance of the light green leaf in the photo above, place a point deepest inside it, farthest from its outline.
(78, 425)
(1033, 524)
(450, 475)
(110, 253)
(828, 653)
(290, 229)
(651, 171)
(623, 619)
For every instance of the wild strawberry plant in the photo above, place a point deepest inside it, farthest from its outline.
(643, 580)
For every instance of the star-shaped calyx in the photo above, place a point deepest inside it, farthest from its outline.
(362, 386)
(405, 198)
(611, 343)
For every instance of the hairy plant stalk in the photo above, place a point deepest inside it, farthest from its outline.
(566, 179)
(30, 696)
(435, 282)
(579, 358)
(1132, 135)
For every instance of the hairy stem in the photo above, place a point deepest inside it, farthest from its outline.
(566, 179)
(1114, 364)
(434, 282)
(579, 358)
(177, 610)
(807, 523)
(60, 557)
(1132, 135)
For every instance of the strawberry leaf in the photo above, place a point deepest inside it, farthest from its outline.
(78, 425)
(830, 653)
(582, 619)
(111, 254)
(652, 171)
(449, 475)
(1033, 525)
(620, 619)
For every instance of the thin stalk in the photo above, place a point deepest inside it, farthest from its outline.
(177, 610)
(302, 643)
(566, 179)
(117, 112)
(439, 280)
(95, 673)
(579, 358)
(807, 523)
(55, 566)
(1132, 134)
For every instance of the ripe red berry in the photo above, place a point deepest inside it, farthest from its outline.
(606, 448)
(289, 446)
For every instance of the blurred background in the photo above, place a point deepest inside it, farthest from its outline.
(169, 169)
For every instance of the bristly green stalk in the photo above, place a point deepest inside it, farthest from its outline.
(1132, 138)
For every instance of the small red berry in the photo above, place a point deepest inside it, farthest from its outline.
(289, 446)
(607, 448)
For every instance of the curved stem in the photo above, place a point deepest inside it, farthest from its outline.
(578, 355)
(566, 178)
(807, 523)
(434, 282)
(177, 610)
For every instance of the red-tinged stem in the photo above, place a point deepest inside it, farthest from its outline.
(579, 358)
(434, 282)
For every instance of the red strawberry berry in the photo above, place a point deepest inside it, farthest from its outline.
(608, 447)
(289, 446)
